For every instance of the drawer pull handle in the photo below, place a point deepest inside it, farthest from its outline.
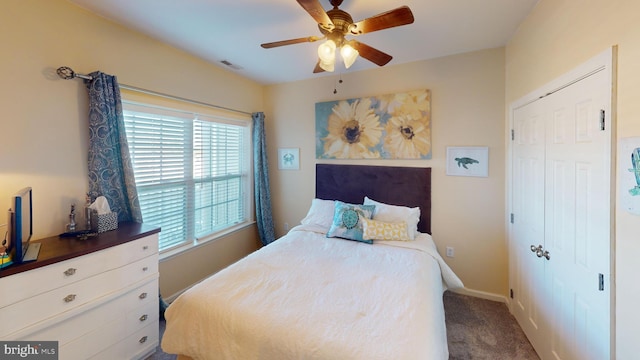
(70, 271)
(146, 247)
(69, 298)
(145, 268)
(143, 317)
(142, 340)
(143, 296)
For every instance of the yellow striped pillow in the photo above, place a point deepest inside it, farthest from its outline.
(380, 230)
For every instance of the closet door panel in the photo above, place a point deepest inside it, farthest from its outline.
(528, 227)
(577, 221)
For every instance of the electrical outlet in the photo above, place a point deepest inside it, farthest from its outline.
(286, 226)
(450, 252)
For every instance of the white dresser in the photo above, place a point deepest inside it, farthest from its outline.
(98, 297)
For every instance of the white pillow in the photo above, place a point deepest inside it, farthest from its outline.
(320, 213)
(393, 213)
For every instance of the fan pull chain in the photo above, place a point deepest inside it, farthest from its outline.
(335, 88)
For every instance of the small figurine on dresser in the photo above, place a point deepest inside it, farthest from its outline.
(71, 226)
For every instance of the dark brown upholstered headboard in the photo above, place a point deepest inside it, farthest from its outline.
(405, 186)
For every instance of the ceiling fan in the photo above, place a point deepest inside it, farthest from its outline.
(336, 24)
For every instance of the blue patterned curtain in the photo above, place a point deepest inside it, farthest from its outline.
(110, 169)
(264, 217)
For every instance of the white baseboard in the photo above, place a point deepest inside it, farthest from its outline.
(481, 294)
(169, 299)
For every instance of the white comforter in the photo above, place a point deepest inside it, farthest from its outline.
(306, 296)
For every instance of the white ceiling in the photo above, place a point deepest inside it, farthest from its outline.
(233, 30)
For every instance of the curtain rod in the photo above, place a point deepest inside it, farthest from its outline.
(68, 74)
(151, 92)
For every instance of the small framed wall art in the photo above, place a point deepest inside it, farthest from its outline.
(468, 161)
(289, 159)
(629, 174)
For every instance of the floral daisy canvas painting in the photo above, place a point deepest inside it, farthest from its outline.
(394, 126)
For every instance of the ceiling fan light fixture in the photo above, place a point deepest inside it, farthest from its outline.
(349, 55)
(327, 66)
(327, 51)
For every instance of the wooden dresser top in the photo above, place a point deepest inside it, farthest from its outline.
(55, 249)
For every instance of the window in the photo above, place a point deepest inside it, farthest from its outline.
(192, 171)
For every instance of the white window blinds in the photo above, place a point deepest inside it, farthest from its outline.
(192, 171)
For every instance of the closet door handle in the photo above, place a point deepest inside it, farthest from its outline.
(546, 255)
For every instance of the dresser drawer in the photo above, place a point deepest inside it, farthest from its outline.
(30, 283)
(134, 272)
(118, 309)
(137, 346)
(76, 296)
(147, 293)
(142, 316)
(143, 341)
(137, 249)
(95, 340)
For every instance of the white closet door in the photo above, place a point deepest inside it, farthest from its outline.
(528, 229)
(561, 200)
(577, 220)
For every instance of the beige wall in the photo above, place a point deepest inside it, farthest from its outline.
(556, 37)
(43, 131)
(468, 110)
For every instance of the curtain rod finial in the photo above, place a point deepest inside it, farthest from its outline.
(67, 73)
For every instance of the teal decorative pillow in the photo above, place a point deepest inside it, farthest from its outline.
(346, 221)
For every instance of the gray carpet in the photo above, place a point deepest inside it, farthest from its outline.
(476, 329)
(483, 329)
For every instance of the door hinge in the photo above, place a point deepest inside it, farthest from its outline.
(601, 282)
(511, 293)
(602, 116)
(513, 134)
(511, 218)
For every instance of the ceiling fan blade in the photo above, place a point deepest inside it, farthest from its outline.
(396, 17)
(290, 42)
(374, 55)
(317, 12)
(318, 69)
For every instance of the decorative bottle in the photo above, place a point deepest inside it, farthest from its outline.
(87, 212)
(72, 219)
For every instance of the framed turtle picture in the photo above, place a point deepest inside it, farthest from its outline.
(468, 161)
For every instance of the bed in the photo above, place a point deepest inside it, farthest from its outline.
(312, 296)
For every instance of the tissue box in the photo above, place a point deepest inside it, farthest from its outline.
(104, 222)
